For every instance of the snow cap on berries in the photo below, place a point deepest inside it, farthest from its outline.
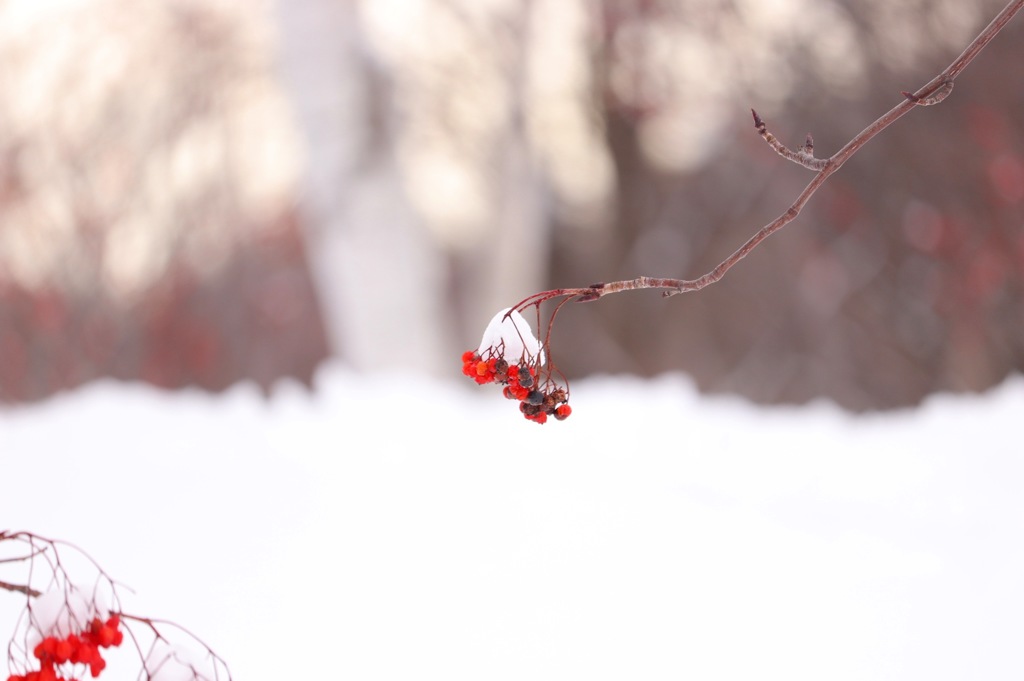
(171, 662)
(59, 612)
(513, 335)
(511, 356)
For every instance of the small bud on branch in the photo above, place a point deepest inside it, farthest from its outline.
(937, 95)
(804, 156)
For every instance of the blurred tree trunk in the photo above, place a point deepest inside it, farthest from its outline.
(149, 228)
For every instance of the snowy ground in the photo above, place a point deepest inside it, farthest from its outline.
(397, 528)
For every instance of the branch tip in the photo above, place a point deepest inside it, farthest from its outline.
(803, 155)
(758, 123)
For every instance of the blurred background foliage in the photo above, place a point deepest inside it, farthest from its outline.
(196, 193)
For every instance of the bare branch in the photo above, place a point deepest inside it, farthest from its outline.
(20, 588)
(933, 92)
(20, 559)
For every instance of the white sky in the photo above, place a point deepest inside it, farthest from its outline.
(398, 528)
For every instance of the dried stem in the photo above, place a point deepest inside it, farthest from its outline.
(933, 92)
(21, 589)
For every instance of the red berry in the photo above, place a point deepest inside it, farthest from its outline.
(63, 651)
(105, 637)
(84, 653)
(46, 648)
(563, 412)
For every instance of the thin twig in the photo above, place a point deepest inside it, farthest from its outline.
(21, 559)
(21, 589)
(933, 92)
(154, 624)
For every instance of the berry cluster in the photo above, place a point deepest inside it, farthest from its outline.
(83, 649)
(521, 383)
